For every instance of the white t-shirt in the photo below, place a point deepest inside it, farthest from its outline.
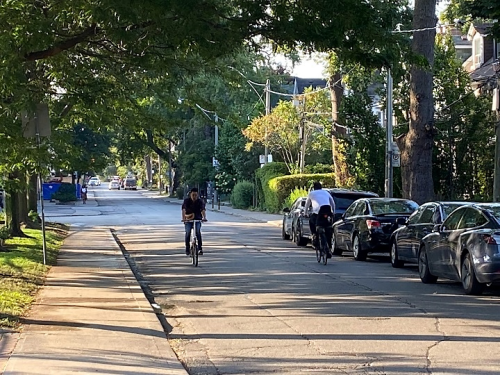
(318, 198)
(84, 190)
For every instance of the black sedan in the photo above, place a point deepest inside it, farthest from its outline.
(367, 225)
(290, 217)
(406, 241)
(342, 198)
(465, 248)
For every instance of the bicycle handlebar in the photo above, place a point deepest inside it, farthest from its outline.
(194, 221)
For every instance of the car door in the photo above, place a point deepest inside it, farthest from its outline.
(471, 219)
(440, 255)
(297, 210)
(350, 223)
(421, 228)
(289, 216)
(340, 227)
(403, 234)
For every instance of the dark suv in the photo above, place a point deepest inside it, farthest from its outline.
(342, 198)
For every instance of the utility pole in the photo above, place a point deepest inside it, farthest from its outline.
(216, 196)
(303, 139)
(170, 176)
(268, 111)
(388, 147)
(496, 107)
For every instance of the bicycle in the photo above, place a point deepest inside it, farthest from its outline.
(193, 247)
(324, 250)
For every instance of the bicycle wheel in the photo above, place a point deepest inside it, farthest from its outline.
(194, 250)
(324, 248)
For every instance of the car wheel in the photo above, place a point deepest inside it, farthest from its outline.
(356, 249)
(423, 268)
(284, 236)
(335, 249)
(299, 240)
(395, 262)
(468, 277)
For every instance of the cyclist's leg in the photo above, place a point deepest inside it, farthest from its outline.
(329, 234)
(312, 225)
(198, 237)
(187, 238)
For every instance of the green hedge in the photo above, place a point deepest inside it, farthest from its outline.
(65, 193)
(242, 195)
(265, 196)
(282, 187)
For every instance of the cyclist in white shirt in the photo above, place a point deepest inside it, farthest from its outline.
(320, 203)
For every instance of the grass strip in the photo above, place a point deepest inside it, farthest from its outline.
(22, 271)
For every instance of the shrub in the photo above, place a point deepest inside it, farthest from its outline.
(318, 168)
(66, 193)
(284, 185)
(296, 193)
(34, 217)
(242, 196)
(4, 235)
(265, 194)
(179, 193)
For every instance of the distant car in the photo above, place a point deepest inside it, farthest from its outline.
(94, 181)
(407, 240)
(129, 183)
(367, 225)
(342, 197)
(465, 248)
(114, 184)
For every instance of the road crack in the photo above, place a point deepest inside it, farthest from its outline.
(437, 325)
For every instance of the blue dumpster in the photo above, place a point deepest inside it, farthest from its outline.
(50, 188)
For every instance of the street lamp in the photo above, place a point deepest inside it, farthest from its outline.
(496, 107)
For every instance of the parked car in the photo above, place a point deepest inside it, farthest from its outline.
(130, 183)
(343, 198)
(114, 184)
(465, 248)
(94, 181)
(407, 240)
(290, 217)
(367, 225)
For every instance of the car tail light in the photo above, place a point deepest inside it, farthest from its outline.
(372, 224)
(489, 239)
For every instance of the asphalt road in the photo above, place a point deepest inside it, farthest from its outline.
(260, 305)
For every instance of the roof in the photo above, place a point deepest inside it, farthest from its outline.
(303, 83)
(347, 191)
(484, 72)
(482, 28)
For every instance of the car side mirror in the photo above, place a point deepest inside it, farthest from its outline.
(401, 221)
(286, 210)
(437, 228)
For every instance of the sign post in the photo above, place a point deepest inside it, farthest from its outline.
(37, 125)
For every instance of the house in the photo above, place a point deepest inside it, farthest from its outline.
(485, 52)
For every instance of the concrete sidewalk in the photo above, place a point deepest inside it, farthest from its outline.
(91, 317)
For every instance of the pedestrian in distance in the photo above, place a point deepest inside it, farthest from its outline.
(84, 193)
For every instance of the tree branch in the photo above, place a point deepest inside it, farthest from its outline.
(64, 45)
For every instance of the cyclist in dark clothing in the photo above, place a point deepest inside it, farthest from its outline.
(193, 208)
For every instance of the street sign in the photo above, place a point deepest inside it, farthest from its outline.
(262, 159)
(215, 163)
(38, 121)
(396, 155)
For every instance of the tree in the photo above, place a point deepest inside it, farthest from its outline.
(416, 145)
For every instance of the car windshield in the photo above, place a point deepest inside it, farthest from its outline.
(342, 201)
(448, 208)
(387, 207)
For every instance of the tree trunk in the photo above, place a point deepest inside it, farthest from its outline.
(33, 193)
(416, 145)
(23, 206)
(340, 168)
(12, 217)
(149, 174)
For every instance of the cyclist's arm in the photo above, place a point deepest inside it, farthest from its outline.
(183, 214)
(332, 204)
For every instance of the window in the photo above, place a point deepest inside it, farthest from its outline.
(472, 219)
(451, 223)
(361, 209)
(427, 214)
(477, 50)
(414, 218)
(350, 211)
(380, 207)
